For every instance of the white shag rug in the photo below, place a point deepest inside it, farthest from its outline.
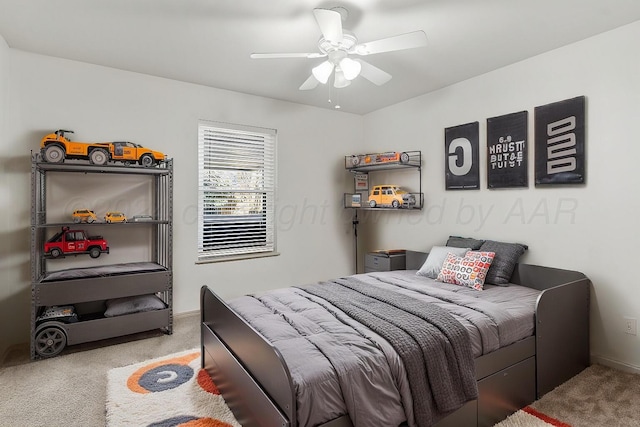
(169, 391)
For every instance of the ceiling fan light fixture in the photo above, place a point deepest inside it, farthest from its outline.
(350, 68)
(323, 71)
(340, 81)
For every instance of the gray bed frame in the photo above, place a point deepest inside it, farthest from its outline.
(255, 382)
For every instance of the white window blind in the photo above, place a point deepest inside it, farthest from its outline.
(236, 200)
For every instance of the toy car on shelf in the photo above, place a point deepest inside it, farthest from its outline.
(74, 242)
(391, 195)
(114, 216)
(142, 218)
(56, 147)
(379, 158)
(83, 215)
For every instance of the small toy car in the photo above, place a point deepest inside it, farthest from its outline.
(114, 216)
(141, 218)
(74, 242)
(378, 158)
(390, 195)
(84, 215)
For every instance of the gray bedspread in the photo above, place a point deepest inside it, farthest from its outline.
(434, 347)
(341, 366)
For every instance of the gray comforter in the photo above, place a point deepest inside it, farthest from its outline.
(434, 347)
(339, 365)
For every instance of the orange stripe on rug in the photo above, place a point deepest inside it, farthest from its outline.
(547, 419)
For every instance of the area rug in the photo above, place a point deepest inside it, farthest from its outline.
(170, 391)
(530, 417)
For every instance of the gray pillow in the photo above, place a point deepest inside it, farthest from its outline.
(135, 304)
(465, 242)
(437, 255)
(507, 255)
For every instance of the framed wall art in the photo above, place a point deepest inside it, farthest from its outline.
(462, 157)
(507, 150)
(560, 142)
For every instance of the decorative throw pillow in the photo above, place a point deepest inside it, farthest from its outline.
(434, 261)
(470, 270)
(135, 304)
(464, 242)
(507, 255)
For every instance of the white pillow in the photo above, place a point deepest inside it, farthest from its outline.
(437, 256)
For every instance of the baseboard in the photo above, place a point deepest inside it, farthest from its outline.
(186, 314)
(615, 364)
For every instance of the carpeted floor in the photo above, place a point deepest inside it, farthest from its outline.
(71, 390)
(598, 396)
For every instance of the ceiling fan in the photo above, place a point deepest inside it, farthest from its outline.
(339, 45)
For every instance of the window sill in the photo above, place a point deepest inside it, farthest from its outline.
(237, 257)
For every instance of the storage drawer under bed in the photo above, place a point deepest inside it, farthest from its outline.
(506, 391)
(499, 395)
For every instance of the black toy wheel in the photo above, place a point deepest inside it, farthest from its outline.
(404, 157)
(372, 203)
(94, 252)
(55, 252)
(53, 154)
(146, 161)
(395, 204)
(99, 156)
(50, 341)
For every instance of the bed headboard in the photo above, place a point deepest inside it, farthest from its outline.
(415, 259)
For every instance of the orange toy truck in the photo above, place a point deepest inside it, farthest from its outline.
(56, 147)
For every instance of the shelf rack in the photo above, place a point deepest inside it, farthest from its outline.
(387, 161)
(156, 276)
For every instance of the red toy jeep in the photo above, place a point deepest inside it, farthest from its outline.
(73, 242)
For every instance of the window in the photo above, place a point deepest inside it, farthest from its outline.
(236, 197)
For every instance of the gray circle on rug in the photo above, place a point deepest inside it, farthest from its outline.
(173, 422)
(165, 377)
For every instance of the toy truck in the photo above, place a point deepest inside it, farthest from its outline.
(56, 147)
(73, 242)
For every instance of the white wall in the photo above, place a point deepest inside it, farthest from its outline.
(591, 228)
(102, 104)
(9, 263)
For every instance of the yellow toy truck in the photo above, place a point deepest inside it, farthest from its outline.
(391, 195)
(56, 147)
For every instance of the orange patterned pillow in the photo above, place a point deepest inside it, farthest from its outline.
(469, 270)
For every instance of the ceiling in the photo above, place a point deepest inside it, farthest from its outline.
(208, 42)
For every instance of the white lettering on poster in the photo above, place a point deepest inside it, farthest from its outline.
(561, 144)
(506, 153)
(466, 158)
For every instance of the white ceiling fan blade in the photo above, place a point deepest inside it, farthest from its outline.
(374, 74)
(287, 55)
(309, 84)
(330, 23)
(400, 42)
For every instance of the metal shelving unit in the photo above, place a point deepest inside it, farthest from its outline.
(368, 164)
(89, 288)
(391, 161)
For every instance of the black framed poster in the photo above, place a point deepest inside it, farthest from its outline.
(507, 150)
(560, 142)
(462, 157)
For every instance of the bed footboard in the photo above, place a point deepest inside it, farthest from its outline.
(258, 390)
(562, 323)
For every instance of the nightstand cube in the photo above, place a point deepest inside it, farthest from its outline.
(380, 261)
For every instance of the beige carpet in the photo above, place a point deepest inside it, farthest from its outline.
(71, 390)
(598, 396)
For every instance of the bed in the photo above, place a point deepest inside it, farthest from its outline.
(270, 378)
